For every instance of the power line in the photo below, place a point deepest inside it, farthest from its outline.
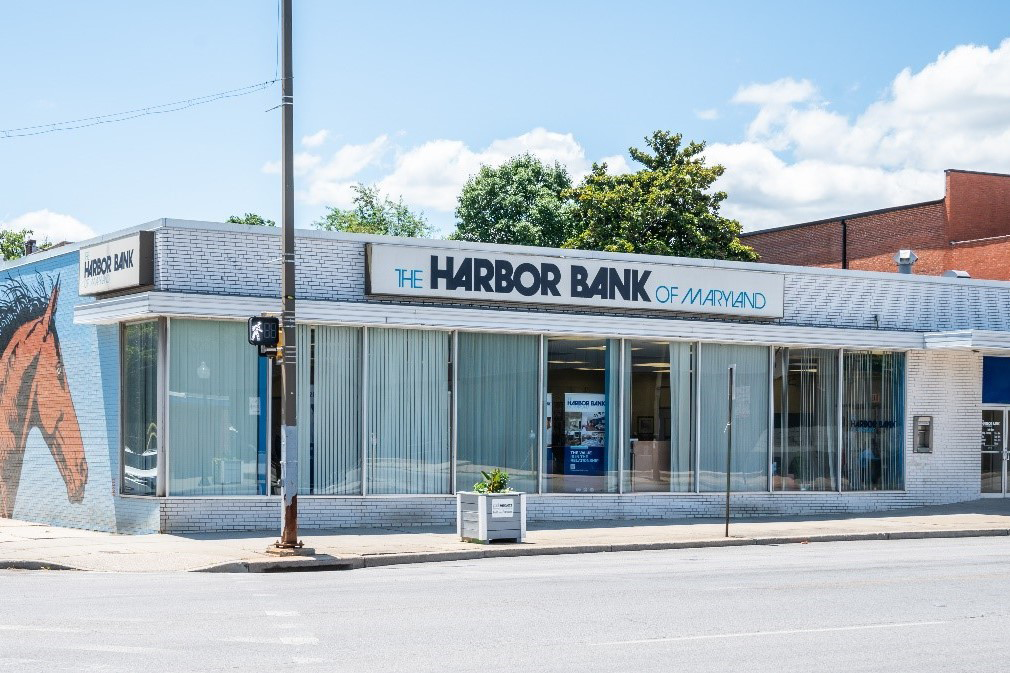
(164, 108)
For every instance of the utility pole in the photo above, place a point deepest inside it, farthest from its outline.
(289, 542)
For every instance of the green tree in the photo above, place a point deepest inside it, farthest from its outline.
(374, 213)
(12, 243)
(521, 202)
(664, 209)
(253, 219)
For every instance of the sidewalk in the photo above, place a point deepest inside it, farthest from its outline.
(32, 546)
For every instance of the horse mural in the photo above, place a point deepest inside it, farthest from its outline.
(33, 390)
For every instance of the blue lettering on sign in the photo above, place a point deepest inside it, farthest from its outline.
(697, 296)
(666, 294)
(411, 278)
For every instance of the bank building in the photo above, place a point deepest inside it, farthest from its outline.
(600, 381)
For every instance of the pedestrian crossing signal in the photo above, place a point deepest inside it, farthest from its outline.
(264, 331)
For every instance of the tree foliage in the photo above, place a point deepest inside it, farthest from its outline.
(374, 213)
(521, 202)
(664, 209)
(253, 219)
(12, 243)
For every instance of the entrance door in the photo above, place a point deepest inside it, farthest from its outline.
(994, 451)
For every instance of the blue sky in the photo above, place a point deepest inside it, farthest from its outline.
(815, 109)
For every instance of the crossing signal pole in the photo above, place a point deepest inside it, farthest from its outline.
(289, 542)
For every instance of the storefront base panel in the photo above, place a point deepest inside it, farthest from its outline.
(198, 515)
(205, 515)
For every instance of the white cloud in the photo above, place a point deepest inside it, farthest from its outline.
(316, 139)
(431, 174)
(617, 164)
(707, 115)
(802, 161)
(49, 226)
(780, 92)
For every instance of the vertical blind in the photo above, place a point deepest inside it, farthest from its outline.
(329, 410)
(408, 411)
(681, 416)
(140, 412)
(497, 408)
(402, 417)
(806, 420)
(874, 421)
(749, 465)
(213, 409)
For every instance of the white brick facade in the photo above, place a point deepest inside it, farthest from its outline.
(237, 261)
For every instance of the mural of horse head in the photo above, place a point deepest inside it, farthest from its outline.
(34, 392)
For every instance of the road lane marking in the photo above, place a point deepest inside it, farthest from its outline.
(754, 634)
(286, 640)
(282, 613)
(296, 640)
(40, 629)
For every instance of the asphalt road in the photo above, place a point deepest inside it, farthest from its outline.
(912, 605)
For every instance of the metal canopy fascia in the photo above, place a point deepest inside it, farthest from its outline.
(372, 314)
(969, 339)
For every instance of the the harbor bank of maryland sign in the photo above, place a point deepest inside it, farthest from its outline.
(492, 276)
(116, 265)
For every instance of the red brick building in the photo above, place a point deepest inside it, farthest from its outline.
(968, 230)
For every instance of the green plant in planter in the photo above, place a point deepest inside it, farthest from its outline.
(495, 482)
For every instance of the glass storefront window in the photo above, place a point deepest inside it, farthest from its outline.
(581, 404)
(873, 416)
(659, 416)
(749, 467)
(214, 409)
(496, 411)
(329, 410)
(408, 411)
(140, 408)
(805, 391)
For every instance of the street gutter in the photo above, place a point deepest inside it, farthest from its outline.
(493, 551)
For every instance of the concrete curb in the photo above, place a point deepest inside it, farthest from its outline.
(372, 561)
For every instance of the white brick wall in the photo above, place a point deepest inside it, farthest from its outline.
(944, 384)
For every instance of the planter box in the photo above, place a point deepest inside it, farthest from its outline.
(497, 516)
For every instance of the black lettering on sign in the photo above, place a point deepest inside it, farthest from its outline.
(440, 274)
(599, 286)
(527, 269)
(463, 278)
(579, 277)
(620, 283)
(483, 274)
(503, 282)
(638, 281)
(550, 276)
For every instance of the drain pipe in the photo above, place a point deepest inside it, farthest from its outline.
(845, 244)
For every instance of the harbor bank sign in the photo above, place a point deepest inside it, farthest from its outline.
(478, 275)
(116, 265)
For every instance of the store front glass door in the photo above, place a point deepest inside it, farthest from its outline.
(994, 452)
